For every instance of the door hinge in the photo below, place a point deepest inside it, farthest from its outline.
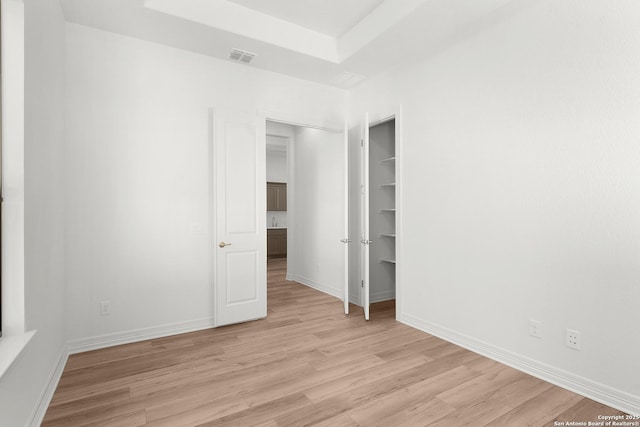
(362, 143)
(362, 283)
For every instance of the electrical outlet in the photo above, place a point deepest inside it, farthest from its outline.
(573, 339)
(105, 308)
(535, 328)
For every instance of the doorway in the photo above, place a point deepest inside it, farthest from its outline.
(277, 189)
(382, 213)
(306, 205)
(315, 205)
(379, 219)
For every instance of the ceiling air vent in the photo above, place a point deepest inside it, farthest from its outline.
(348, 80)
(241, 55)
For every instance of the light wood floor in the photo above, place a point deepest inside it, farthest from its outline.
(306, 364)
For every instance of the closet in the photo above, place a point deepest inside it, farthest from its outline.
(379, 196)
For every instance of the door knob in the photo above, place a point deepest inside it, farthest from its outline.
(223, 244)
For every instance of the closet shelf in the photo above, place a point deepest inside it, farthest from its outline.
(392, 236)
(390, 261)
(391, 185)
(388, 161)
(387, 211)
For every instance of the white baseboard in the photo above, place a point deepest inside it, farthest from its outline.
(604, 394)
(127, 337)
(317, 286)
(47, 394)
(383, 296)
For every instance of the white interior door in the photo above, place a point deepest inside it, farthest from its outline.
(364, 233)
(239, 173)
(346, 239)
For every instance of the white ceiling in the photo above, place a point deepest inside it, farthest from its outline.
(316, 40)
(330, 17)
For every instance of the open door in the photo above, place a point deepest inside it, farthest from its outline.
(364, 197)
(239, 150)
(346, 239)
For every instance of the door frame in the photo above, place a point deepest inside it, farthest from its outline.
(365, 212)
(301, 120)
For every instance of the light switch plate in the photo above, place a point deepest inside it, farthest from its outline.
(196, 228)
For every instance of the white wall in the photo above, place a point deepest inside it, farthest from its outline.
(137, 177)
(23, 387)
(277, 171)
(12, 168)
(315, 251)
(521, 192)
(276, 166)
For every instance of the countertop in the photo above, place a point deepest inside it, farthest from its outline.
(279, 227)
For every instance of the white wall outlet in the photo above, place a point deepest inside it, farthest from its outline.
(573, 339)
(535, 328)
(105, 308)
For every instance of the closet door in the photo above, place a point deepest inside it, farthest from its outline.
(346, 240)
(365, 240)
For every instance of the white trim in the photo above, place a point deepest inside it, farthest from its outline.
(136, 335)
(365, 204)
(384, 119)
(47, 394)
(604, 394)
(302, 120)
(399, 209)
(11, 349)
(334, 292)
(382, 296)
(211, 216)
(291, 201)
(345, 234)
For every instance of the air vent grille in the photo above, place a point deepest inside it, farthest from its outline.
(348, 80)
(241, 55)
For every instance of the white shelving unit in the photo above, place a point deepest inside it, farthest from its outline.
(388, 161)
(382, 211)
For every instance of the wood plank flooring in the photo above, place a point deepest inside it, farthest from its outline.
(306, 364)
